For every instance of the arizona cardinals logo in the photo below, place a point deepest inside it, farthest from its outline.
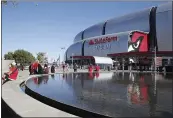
(138, 42)
(135, 46)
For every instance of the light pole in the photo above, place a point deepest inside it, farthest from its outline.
(155, 57)
(72, 60)
(62, 48)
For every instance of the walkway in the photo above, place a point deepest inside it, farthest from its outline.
(24, 105)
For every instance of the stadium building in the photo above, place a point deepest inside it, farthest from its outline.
(133, 38)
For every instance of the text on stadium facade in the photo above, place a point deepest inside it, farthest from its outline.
(102, 40)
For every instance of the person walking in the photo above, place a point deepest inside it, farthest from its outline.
(46, 69)
(90, 68)
(97, 68)
(22, 67)
(37, 68)
(75, 67)
(34, 67)
(67, 66)
(52, 69)
(30, 69)
(63, 67)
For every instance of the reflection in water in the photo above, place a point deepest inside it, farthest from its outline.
(139, 92)
(53, 76)
(45, 79)
(63, 75)
(35, 80)
(113, 94)
(91, 75)
(40, 80)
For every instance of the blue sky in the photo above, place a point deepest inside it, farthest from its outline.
(52, 25)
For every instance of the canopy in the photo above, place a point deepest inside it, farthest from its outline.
(98, 60)
(103, 60)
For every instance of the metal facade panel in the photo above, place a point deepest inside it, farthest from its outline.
(95, 30)
(133, 21)
(78, 37)
(119, 46)
(76, 49)
(164, 27)
(164, 7)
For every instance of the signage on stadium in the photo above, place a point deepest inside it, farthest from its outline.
(103, 47)
(102, 40)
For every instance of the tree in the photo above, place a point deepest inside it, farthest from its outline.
(40, 57)
(20, 56)
(5, 2)
(23, 57)
(9, 56)
(13, 2)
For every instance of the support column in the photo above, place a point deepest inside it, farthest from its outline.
(116, 66)
(137, 64)
(123, 63)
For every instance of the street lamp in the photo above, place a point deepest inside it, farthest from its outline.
(62, 48)
(72, 60)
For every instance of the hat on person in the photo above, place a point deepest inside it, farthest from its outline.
(13, 63)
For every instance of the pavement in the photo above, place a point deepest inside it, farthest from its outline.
(15, 103)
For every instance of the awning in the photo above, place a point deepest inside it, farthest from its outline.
(103, 60)
(98, 60)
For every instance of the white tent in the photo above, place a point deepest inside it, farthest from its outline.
(103, 60)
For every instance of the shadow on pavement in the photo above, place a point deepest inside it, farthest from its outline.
(165, 114)
(7, 112)
(5, 81)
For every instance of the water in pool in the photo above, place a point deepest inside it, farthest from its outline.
(110, 94)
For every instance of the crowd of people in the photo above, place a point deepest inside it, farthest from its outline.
(91, 68)
(37, 68)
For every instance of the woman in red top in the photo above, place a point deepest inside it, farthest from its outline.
(90, 69)
(12, 74)
(97, 67)
(34, 67)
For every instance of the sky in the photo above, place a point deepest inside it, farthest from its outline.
(49, 26)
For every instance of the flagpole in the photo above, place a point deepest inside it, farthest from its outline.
(155, 72)
(155, 58)
(59, 60)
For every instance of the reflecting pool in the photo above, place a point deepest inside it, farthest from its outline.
(109, 94)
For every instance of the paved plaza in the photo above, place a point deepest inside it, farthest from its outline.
(24, 105)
